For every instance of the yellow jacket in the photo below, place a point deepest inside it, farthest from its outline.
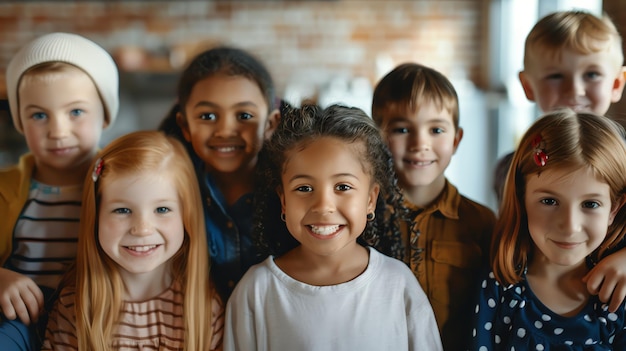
(14, 188)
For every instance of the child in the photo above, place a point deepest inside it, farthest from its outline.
(142, 268)
(226, 99)
(574, 59)
(563, 200)
(329, 292)
(63, 91)
(418, 111)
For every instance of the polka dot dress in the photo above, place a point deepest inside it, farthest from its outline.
(513, 319)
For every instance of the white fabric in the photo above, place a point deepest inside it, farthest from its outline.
(75, 50)
(382, 309)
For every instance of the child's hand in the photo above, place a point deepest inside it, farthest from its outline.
(19, 297)
(608, 279)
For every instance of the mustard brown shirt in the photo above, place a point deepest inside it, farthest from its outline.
(447, 256)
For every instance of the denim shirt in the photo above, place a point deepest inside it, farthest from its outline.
(229, 238)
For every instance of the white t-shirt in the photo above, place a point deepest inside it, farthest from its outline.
(384, 308)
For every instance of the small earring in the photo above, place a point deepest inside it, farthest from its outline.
(282, 217)
(371, 216)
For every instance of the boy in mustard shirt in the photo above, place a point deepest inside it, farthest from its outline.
(417, 109)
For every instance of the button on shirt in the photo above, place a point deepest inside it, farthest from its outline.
(448, 255)
(229, 237)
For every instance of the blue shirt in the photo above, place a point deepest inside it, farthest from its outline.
(513, 318)
(229, 235)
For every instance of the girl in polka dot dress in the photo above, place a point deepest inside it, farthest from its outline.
(562, 209)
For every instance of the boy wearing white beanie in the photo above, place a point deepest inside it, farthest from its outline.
(63, 91)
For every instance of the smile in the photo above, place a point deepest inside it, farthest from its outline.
(225, 148)
(324, 230)
(566, 245)
(60, 151)
(419, 163)
(141, 248)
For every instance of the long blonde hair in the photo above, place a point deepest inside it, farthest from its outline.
(570, 140)
(99, 287)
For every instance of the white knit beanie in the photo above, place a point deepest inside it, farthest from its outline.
(72, 49)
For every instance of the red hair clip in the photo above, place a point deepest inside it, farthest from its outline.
(540, 155)
(97, 170)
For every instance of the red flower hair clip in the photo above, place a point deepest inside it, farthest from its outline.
(97, 170)
(540, 155)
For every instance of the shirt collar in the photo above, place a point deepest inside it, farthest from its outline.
(447, 203)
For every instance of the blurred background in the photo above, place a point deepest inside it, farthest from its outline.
(325, 50)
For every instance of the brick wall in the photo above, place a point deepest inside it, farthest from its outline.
(298, 40)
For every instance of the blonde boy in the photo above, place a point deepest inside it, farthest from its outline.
(417, 109)
(63, 91)
(574, 59)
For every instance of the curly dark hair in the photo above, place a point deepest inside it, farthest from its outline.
(300, 126)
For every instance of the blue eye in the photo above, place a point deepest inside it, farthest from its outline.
(592, 75)
(399, 130)
(208, 117)
(591, 204)
(38, 116)
(76, 112)
(437, 130)
(162, 210)
(122, 210)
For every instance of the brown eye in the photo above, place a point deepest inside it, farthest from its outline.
(208, 117)
(591, 204)
(304, 189)
(549, 202)
(244, 116)
(343, 187)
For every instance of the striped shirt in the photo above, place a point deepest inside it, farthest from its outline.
(155, 324)
(46, 233)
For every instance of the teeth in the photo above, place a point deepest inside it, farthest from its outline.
(141, 248)
(226, 149)
(422, 163)
(325, 230)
